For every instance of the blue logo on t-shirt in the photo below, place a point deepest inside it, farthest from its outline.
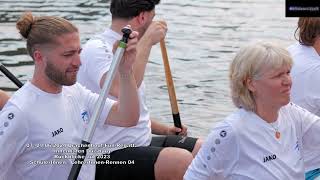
(85, 117)
(297, 146)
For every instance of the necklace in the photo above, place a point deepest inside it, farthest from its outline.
(277, 132)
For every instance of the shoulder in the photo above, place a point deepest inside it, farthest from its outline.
(298, 115)
(13, 118)
(96, 44)
(231, 125)
(302, 54)
(294, 48)
(236, 119)
(293, 110)
(95, 51)
(220, 151)
(19, 103)
(223, 130)
(222, 134)
(222, 140)
(231, 129)
(10, 111)
(22, 98)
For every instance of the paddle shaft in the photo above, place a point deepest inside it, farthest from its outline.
(170, 85)
(6, 72)
(76, 167)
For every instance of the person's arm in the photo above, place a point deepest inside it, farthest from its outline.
(125, 112)
(155, 32)
(216, 155)
(161, 129)
(4, 97)
(308, 129)
(13, 137)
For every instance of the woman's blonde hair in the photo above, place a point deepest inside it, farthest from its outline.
(248, 64)
(42, 30)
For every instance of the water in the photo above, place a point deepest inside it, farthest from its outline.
(202, 39)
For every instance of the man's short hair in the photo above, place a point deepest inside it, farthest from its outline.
(127, 9)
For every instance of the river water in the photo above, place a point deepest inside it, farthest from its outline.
(202, 39)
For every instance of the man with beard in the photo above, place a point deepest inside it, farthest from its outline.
(43, 121)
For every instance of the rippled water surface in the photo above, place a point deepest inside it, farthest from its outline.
(202, 39)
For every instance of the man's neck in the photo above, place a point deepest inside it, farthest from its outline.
(46, 84)
(118, 24)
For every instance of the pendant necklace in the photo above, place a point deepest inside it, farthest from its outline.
(277, 132)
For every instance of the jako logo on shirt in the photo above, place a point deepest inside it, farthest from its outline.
(85, 117)
(56, 132)
(269, 158)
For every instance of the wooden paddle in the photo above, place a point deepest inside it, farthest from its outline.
(170, 85)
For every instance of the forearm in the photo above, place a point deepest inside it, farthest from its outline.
(143, 52)
(128, 99)
(139, 67)
(114, 89)
(158, 128)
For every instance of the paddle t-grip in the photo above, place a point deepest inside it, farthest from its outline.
(126, 33)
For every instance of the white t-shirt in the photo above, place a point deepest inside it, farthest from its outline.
(305, 72)
(37, 130)
(96, 58)
(244, 147)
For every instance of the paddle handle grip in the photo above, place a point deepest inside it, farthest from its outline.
(177, 121)
(170, 85)
(6, 72)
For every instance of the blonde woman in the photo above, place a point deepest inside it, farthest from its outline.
(267, 137)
